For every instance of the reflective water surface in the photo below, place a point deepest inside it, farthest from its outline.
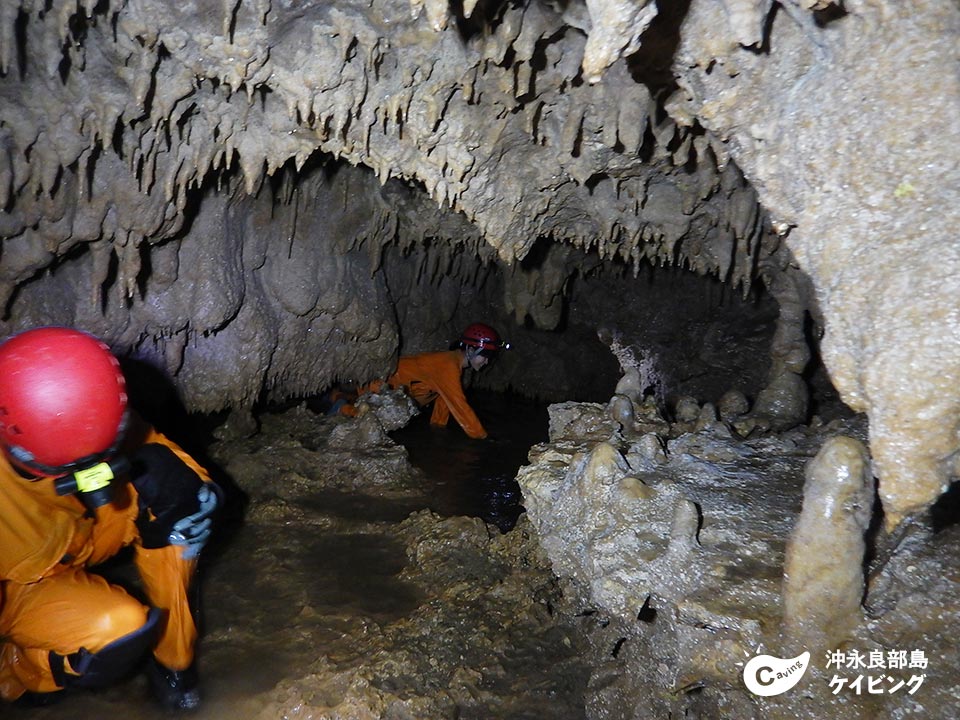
(477, 477)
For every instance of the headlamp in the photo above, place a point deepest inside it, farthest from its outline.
(93, 483)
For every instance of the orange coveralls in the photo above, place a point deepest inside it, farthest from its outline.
(48, 601)
(435, 377)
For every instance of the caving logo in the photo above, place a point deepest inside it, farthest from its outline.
(767, 675)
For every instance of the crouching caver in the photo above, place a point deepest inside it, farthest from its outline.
(81, 478)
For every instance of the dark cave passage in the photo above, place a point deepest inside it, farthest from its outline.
(477, 478)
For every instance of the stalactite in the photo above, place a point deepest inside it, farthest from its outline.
(143, 78)
(747, 19)
(538, 25)
(468, 81)
(664, 132)
(616, 31)
(63, 14)
(523, 78)
(128, 265)
(437, 13)
(570, 135)
(6, 169)
(150, 170)
(8, 39)
(681, 155)
(101, 251)
(50, 167)
(335, 110)
(252, 172)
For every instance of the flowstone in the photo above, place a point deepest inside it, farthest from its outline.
(674, 565)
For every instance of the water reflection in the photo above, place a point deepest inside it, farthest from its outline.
(477, 477)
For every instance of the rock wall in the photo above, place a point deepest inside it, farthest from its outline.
(846, 121)
(132, 128)
(686, 550)
(176, 189)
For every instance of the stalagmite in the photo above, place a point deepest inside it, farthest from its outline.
(823, 569)
(88, 90)
(604, 465)
(684, 527)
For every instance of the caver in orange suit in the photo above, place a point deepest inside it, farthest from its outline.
(80, 478)
(435, 377)
(50, 603)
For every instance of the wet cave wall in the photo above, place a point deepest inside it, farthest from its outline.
(297, 294)
(130, 142)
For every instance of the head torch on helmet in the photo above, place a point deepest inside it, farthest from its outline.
(484, 338)
(93, 484)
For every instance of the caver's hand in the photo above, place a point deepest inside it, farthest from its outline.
(194, 530)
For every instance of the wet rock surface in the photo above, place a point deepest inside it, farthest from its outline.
(679, 558)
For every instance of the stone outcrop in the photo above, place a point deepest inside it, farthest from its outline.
(842, 123)
(823, 568)
(689, 551)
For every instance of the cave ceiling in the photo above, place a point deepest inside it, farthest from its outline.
(215, 186)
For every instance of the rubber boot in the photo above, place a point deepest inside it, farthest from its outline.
(174, 689)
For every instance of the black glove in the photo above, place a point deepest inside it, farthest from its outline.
(175, 502)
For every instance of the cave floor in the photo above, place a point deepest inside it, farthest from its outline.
(333, 593)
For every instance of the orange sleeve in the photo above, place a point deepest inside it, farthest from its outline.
(37, 526)
(451, 400)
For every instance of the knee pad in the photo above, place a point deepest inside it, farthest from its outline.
(99, 669)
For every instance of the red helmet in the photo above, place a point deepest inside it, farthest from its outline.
(63, 399)
(482, 336)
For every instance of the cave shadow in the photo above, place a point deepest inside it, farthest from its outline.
(881, 546)
(946, 510)
(477, 478)
(825, 400)
(486, 15)
(651, 64)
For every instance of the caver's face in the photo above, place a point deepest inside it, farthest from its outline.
(478, 361)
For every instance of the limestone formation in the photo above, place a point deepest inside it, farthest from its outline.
(824, 570)
(847, 155)
(732, 404)
(261, 199)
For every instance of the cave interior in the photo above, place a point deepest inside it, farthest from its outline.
(686, 217)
